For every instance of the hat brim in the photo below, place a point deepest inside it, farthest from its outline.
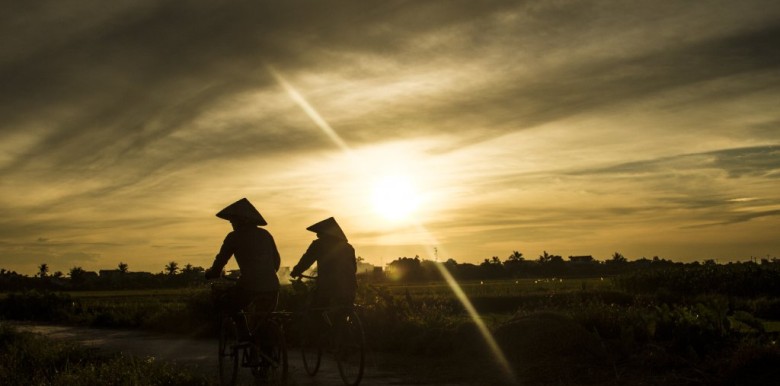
(242, 210)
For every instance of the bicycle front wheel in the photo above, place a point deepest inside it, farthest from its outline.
(349, 349)
(228, 352)
(311, 344)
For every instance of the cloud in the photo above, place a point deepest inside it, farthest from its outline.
(760, 161)
(550, 118)
(121, 83)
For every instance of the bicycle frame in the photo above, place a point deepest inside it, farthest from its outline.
(343, 335)
(265, 366)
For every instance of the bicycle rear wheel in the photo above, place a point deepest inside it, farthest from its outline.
(349, 349)
(228, 353)
(311, 344)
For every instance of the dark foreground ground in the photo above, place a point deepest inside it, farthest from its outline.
(200, 355)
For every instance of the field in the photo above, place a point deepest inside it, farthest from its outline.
(508, 287)
(569, 331)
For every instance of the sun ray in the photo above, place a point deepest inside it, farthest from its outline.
(309, 110)
(487, 336)
(431, 243)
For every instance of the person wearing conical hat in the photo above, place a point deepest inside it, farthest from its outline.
(258, 260)
(336, 264)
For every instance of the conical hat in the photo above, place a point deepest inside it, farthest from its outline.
(242, 210)
(328, 227)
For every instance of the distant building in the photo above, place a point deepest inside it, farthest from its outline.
(365, 268)
(582, 259)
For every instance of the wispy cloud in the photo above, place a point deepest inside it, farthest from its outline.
(522, 121)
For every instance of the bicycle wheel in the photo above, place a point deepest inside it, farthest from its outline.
(311, 344)
(349, 349)
(273, 368)
(228, 353)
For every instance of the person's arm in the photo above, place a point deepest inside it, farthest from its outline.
(307, 260)
(227, 250)
(354, 259)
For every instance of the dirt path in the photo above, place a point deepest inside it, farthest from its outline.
(201, 354)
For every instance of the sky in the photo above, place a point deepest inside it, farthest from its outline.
(649, 128)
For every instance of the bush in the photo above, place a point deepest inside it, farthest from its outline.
(37, 305)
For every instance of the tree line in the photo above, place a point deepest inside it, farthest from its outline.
(77, 278)
(406, 269)
(402, 270)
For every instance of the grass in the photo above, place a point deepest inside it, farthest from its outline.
(169, 292)
(772, 326)
(512, 287)
(28, 359)
(643, 335)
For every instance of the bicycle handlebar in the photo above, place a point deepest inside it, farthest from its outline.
(300, 278)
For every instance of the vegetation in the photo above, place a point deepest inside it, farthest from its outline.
(649, 322)
(78, 278)
(28, 359)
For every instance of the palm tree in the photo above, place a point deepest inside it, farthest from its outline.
(516, 256)
(172, 267)
(617, 257)
(122, 267)
(43, 270)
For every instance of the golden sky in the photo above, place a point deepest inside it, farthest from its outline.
(572, 127)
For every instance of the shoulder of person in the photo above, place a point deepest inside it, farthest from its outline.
(262, 231)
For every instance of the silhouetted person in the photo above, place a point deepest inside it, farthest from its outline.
(336, 265)
(257, 258)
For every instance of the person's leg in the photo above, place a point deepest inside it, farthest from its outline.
(264, 304)
(319, 309)
(235, 300)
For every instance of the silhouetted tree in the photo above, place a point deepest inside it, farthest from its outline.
(77, 275)
(406, 269)
(43, 270)
(617, 258)
(122, 267)
(172, 268)
(547, 258)
(515, 263)
(492, 261)
(516, 256)
(492, 268)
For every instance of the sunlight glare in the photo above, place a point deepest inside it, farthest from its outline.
(395, 198)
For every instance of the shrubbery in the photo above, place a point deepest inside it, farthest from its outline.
(649, 323)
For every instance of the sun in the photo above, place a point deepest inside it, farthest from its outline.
(395, 198)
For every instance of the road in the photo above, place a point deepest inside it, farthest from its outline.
(200, 354)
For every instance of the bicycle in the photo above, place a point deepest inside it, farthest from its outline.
(334, 329)
(268, 367)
